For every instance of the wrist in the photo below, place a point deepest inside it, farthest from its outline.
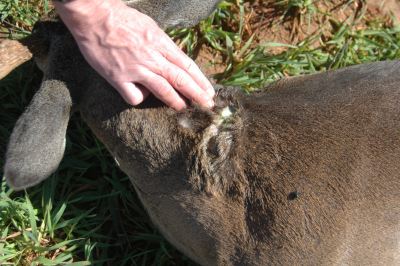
(81, 14)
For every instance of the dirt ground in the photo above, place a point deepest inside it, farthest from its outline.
(270, 23)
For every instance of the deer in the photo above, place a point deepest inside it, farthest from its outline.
(303, 172)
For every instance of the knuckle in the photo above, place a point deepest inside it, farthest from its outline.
(189, 66)
(166, 92)
(202, 98)
(179, 80)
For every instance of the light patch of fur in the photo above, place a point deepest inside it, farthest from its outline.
(209, 163)
(226, 112)
(185, 122)
(116, 161)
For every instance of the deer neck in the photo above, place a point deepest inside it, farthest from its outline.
(146, 142)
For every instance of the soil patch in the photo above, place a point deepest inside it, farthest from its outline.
(270, 22)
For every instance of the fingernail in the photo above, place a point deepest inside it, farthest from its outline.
(181, 107)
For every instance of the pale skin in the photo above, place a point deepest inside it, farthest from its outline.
(133, 54)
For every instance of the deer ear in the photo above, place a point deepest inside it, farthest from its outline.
(37, 142)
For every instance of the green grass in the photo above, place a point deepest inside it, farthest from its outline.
(17, 17)
(298, 9)
(87, 213)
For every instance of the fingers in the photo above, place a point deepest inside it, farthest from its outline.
(162, 89)
(181, 60)
(183, 82)
(132, 94)
(165, 80)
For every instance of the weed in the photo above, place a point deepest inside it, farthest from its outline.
(17, 17)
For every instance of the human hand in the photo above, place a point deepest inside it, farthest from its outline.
(133, 54)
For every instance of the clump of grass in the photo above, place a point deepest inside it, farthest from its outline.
(347, 46)
(20, 15)
(17, 17)
(224, 31)
(222, 25)
(297, 8)
(27, 242)
(87, 212)
(253, 68)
